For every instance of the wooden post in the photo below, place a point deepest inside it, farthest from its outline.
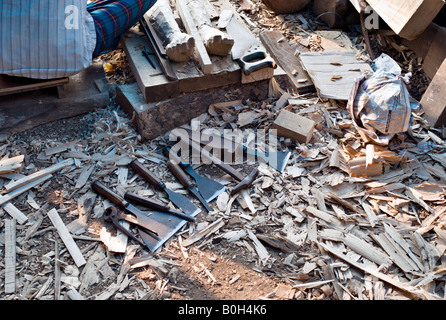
(434, 98)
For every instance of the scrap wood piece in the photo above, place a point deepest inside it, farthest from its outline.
(8, 197)
(37, 175)
(208, 230)
(15, 213)
(412, 291)
(66, 237)
(12, 164)
(323, 216)
(260, 249)
(363, 167)
(322, 66)
(291, 125)
(279, 242)
(412, 258)
(10, 256)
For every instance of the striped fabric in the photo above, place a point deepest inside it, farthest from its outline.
(45, 39)
(49, 39)
(113, 17)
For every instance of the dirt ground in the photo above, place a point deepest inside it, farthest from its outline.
(211, 269)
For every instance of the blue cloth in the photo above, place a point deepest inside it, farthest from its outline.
(112, 18)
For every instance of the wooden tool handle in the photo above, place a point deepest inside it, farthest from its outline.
(180, 174)
(155, 205)
(146, 174)
(109, 194)
(148, 203)
(245, 183)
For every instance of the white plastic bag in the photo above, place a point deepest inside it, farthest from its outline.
(379, 103)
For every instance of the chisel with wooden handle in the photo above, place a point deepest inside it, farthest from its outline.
(179, 200)
(187, 183)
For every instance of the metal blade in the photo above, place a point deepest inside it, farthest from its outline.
(277, 160)
(182, 202)
(166, 225)
(199, 197)
(208, 188)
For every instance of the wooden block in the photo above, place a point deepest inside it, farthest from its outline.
(434, 99)
(408, 19)
(155, 119)
(283, 54)
(154, 84)
(20, 112)
(436, 53)
(291, 125)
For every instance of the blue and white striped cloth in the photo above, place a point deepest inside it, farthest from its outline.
(45, 39)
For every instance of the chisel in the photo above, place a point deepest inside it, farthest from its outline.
(187, 183)
(178, 199)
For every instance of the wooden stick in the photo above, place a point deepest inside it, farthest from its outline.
(37, 175)
(10, 255)
(19, 191)
(66, 237)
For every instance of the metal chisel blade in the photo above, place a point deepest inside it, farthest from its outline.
(208, 188)
(200, 197)
(183, 203)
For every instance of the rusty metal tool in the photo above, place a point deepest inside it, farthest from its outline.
(187, 183)
(208, 188)
(244, 182)
(275, 159)
(156, 205)
(178, 199)
(111, 214)
(163, 225)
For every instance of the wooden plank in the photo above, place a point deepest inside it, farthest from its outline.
(334, 72)
(200, 51)
(282, 52)
(408, 19)
(10, 255)
(434, 99)
(24, 111)
(154, 85)
(14, 85)
(66, 237)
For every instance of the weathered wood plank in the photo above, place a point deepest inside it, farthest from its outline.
(10, 255)
(66, 237)
(283, 54)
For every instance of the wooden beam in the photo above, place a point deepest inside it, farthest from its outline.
(434, 99)
(408, 19)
